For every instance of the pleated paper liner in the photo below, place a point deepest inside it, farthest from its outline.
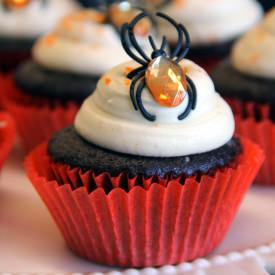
(2, 85)
(253, 122)
(7, 136)
(139, 222)
(36, 119)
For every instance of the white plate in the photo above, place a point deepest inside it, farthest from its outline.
(31, 243)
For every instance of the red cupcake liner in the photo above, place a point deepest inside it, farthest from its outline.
(155, 222)
(252, 121)
(7, 136)
(36, 119)
(2, 85)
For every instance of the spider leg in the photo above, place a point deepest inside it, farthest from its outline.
(127, 46)
(187, 46)
(179, 30)
(133, 73)
(194, 89)
(132, 35)
(192, 94)
(140, 105)
(135, 80)
(164, 43)
(153, 45)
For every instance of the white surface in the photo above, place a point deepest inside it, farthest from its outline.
(30, 242)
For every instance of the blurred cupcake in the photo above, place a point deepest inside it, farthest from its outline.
(267, 4)
(21, 22)
(248, 81)
(7, 136)
(143, 188)
(47, 91)
(213, 25)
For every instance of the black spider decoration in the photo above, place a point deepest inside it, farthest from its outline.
(10, 5)
(139, 75)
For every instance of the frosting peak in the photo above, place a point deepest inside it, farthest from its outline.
(214, 21)
(254, 53)
(107, 118)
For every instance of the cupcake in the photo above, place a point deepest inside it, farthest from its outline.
(7, 136)
(213, 25)
(267, 4)
(46, 91)
(247, 80)
(21, 22)
(151, 172)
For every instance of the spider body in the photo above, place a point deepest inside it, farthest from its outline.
(166, 82)
(161, 73)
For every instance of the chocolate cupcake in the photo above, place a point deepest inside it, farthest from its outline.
(213, 25)
(65, 68)
(151, 173)
(267, 4)
(21, 22)
(247, 79)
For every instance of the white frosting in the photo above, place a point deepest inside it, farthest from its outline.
(213, 21)
(81, 46)
(254, 54)
(35, 19)
(108, 119)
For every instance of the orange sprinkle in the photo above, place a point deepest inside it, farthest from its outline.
(107, 81)
(50, 40)
(127, 82)
(180, 3)
(128, 70)
(260, 36)
(255, 57)
(67, 23)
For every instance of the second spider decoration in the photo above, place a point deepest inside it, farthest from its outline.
(161, 73)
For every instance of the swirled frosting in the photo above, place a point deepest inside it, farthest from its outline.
(254, 53)
(215, 21)
(35, 19)
(108, 119)
(81, 45)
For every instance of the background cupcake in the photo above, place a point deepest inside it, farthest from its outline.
(129, 189)
(213, 25)
(7, 136)
(21, 22)
(45, 93)
(248, 81)
(267, 4)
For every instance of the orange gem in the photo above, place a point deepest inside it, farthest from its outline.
(16, 4)
(166, 82)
